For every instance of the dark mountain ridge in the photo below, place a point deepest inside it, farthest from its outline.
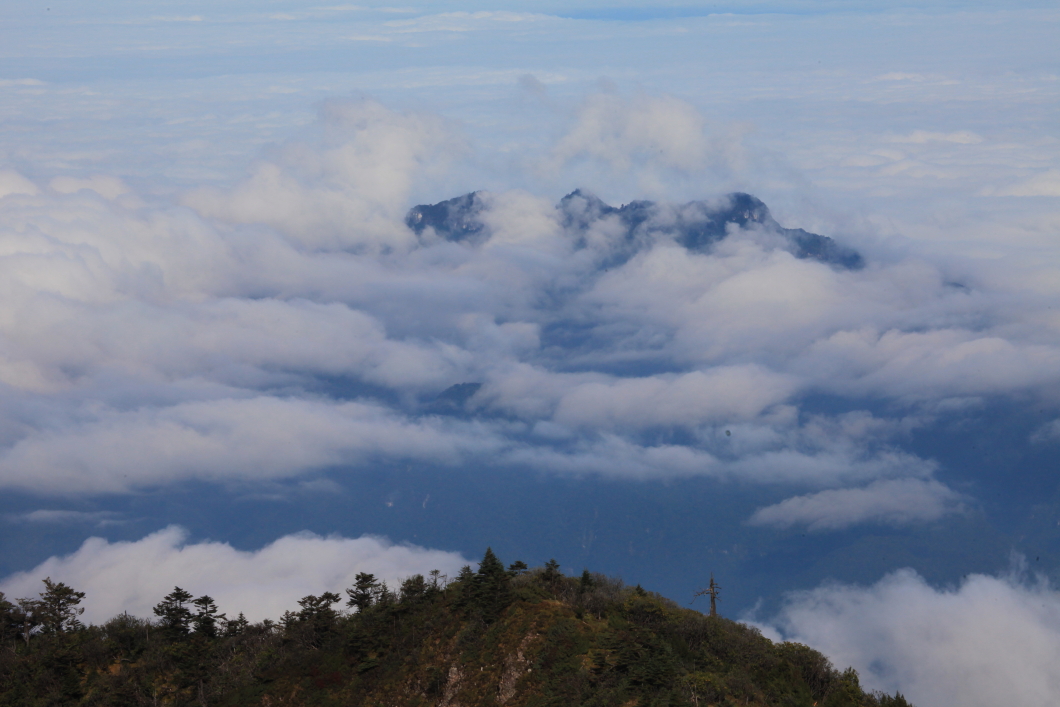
(696, 225)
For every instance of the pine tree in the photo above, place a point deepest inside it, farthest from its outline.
(27, 618)
(490, 593)
(57, 608)
(362, 593)
(317, 609)
(175, 617)
(436, 581)
(551, 575)
(236, 626)
(465, 582)
(491, 569)
(206, 617)
(383, 595)
(413, 588)
(585, 582)
(316, 621)
(8, 619)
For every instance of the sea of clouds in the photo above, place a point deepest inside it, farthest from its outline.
(147, 342)
(290, 323)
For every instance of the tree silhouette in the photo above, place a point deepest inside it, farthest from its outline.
(551, 574)
(175, 617)
(317, 609)
(490, 587)
(236, 626)
(362, 594)
(206, 617)
(57, 608)
(8, 623)
(413, 588)
(585, 582)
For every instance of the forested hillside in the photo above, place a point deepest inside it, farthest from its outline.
(497, 636)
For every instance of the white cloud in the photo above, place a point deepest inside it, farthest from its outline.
(106, 186)
(647, 131)
(1044, 184)
(4, 83)
(51, 516)
(767, 458)
(228, 439)
(719, 394)
(892, 502)
(961, 137)
(986, 642)
(938, 363)
(901, 76)
(348, 192)
(1049, 432)
(56, 344)
(464, 21)
(14, 183)
(134, 576)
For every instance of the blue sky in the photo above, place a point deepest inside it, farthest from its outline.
(221, 348)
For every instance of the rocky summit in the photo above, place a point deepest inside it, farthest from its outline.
(696, 225)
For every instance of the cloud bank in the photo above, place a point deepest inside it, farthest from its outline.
(988, 641)
(296, 323)
(134, 576)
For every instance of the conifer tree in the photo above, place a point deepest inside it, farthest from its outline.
(27, 617)
(205, 618)
(316, 619)
(383, 595)
(57, 608)
(413, 588)
(363, 591)
(19, 619)
(436, 580)
(8, 624)
(288, 620)
(175, 617)
(490, 593)
(491, 570)
(585, 582)
(551, 575)
(465, 581)
(236, 626)
(317, 609)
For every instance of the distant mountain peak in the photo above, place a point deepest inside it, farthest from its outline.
(455, 219)
(696, 225)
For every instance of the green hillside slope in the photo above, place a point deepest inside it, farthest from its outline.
(510, 637)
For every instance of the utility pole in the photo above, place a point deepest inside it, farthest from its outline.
(711, 591)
